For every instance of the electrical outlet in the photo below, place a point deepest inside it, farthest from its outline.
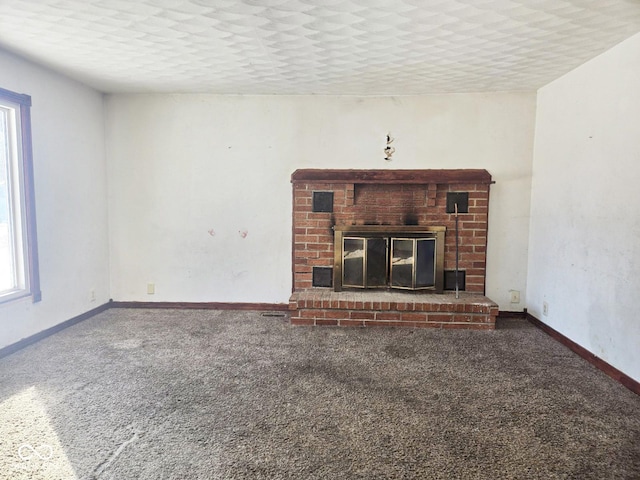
(92, 295)
(515, 296)
(151, 288)
(545, 308)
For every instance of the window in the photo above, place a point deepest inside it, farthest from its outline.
(18, 252)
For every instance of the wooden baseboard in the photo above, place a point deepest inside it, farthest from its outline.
(610, 370)
(14, 347)
(506, 314)
(270, 307)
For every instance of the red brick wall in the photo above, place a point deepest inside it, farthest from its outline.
(417, 202)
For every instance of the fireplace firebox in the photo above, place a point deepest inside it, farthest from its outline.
(382, 256)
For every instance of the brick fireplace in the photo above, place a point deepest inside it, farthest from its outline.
(378, 207)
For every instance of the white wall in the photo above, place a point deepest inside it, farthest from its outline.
(71, 206)
(584, 249)
(183, 165)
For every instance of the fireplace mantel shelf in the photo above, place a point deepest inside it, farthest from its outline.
(441, 176)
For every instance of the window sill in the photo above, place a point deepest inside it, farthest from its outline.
(19, 295)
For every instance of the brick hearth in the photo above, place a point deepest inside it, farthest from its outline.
(369, 308)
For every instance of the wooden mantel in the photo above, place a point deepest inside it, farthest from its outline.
(441, 176)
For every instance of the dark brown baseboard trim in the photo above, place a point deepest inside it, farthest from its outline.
(25, 342)
(278, 307)
(613, 372)
(506, 314)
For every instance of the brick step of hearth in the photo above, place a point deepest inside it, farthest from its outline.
(392, 308)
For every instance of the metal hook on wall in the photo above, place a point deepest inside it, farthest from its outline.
(389, 150)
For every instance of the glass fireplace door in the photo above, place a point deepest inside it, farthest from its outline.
(413, 263)
(364, 262)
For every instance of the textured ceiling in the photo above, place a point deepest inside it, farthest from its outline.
(315, 46)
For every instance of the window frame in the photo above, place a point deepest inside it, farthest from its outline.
(29, 258)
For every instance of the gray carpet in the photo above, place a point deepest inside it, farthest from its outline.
(164, 394)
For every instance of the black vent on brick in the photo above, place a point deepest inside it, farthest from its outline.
(323, 201)
(461, 198)
(322, 277)
(450, 279)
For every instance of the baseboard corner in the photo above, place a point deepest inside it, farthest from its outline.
(25, 342)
